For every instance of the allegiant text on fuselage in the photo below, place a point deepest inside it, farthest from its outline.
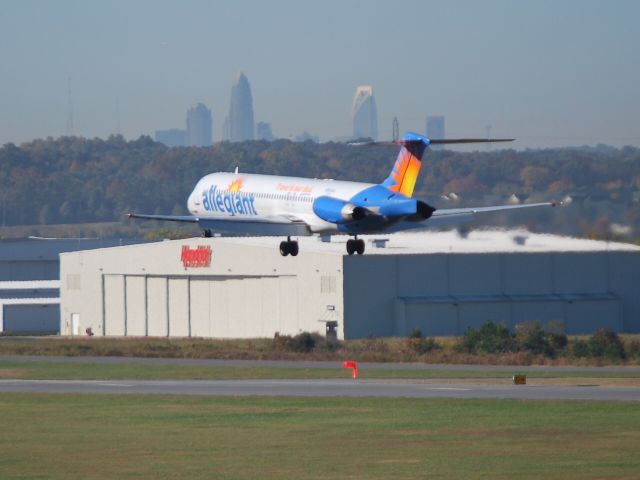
(233, 203)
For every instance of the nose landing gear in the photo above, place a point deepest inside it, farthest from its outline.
(355, 246)
(289, 247)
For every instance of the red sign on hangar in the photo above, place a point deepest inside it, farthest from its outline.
(199, 257)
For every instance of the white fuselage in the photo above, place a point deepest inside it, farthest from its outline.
(268, 198)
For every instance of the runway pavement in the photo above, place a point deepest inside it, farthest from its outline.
(320, 387)
(324, 388)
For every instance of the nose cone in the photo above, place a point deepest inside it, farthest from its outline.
(193, 203)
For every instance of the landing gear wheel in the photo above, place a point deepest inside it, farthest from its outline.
(355, 246)
(289, 247)
(351, 246)
(207, 233)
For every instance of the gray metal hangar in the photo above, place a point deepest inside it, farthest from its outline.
(29, 282)
(435, 281)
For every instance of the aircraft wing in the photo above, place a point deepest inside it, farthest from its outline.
(165, 218)
(237, 228)
(448, 216)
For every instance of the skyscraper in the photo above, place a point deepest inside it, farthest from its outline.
(239, 122)
(365, 113)
(199, 126)
(435, 126)
(173, 137)
(264, 132)
(435, 129)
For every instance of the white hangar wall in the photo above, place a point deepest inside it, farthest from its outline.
(444, 294)
(246, 291)
(433, 281)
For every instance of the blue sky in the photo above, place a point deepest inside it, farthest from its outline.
(550, 73)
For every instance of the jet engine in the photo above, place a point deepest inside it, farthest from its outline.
(335, 210)
(424, 210)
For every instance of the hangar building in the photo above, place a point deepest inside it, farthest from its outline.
(435, 281)
(29, 280)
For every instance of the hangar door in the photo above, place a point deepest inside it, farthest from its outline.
(114, 305)
(240, 307)
(223, 307)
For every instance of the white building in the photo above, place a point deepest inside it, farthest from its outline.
(437, 282)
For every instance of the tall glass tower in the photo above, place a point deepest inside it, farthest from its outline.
(435, 129)
(365, 113)
(239, 125)
(199, 126)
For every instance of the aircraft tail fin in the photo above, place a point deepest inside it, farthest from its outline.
(404, 174)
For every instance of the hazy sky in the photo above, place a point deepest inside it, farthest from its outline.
(550, 73)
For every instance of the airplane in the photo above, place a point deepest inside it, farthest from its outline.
(238, 204)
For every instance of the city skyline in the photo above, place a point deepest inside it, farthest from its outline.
(547, 73)
(198, 131)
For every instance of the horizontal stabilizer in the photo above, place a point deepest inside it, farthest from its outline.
(468, 140)
(428, 141)
(453, 216)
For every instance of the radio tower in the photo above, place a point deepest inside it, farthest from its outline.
(396, 130)
(69, 109)
(488, 130)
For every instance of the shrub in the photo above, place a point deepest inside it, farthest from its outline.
(580, 349)
(533, 338)
(489, 338)
(558, 341)
(605, 343)
(419, 344)
(304, 342)
(633, 349)
(281, 342)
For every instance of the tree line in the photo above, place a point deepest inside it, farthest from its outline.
(78, 180)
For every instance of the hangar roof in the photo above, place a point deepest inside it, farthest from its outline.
(476, 241)
(41, 249)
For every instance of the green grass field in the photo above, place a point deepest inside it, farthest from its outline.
(17, 369)
(154, 437)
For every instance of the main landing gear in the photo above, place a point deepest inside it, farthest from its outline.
(355, 246)
(207, 233)
(288, 247)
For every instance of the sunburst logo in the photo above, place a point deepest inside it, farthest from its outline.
(236, 185)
